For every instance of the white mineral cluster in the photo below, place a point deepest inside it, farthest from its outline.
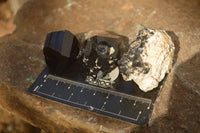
(148, 59)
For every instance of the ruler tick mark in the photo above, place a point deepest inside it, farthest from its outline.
(69, 87)
(148, 106)
(70, 96)
(103, 105)
(134, 103)
(121, 99)
(107, 96)
(45, 76)
(36, 88)
(81, 90)
(119, 112)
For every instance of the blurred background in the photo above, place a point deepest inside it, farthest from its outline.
(8, 122)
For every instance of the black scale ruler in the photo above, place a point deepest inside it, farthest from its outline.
(114, 104)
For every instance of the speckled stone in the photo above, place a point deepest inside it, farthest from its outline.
(148, 59)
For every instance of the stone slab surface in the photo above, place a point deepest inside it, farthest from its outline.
(21, 60)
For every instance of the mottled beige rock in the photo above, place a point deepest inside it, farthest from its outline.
(148, 59)
(16, 5)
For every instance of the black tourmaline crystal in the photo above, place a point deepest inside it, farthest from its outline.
(60, 50)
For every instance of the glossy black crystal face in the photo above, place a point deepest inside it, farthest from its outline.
(60, 50)
(99, 58)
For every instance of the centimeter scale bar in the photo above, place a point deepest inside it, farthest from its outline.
(111, 103)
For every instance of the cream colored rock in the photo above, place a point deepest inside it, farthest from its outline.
(148, 59)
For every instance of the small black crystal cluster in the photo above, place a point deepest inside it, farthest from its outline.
(99, 55)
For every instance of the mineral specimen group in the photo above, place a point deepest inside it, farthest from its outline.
(148, 59)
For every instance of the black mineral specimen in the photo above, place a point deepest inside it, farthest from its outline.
(60, 50)
(99, 57)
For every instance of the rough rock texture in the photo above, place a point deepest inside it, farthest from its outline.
(148, 59)
(13, 124)
(16, 5)
(177, 107)
(6, 19)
